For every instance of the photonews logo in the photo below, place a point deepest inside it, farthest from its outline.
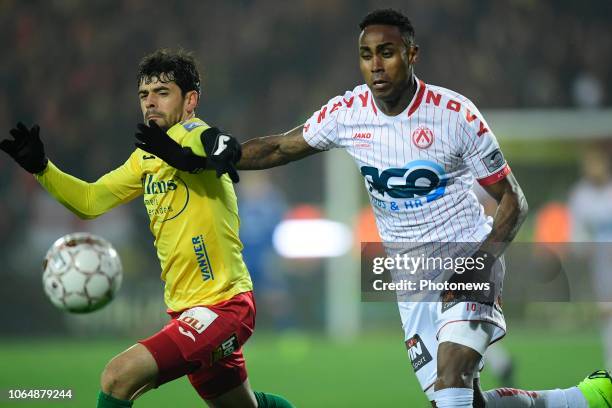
(417, 179)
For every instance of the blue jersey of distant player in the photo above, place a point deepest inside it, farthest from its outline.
(418, 166)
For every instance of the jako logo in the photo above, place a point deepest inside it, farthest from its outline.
(151, 186)
(360, 135)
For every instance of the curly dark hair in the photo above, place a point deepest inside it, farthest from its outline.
(390, 17)
(167, 65)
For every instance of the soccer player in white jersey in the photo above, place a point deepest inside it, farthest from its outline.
(402, 131)
(590, 205)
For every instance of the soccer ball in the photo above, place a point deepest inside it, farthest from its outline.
(82, 272)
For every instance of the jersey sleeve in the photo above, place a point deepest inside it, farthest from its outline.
(321, 129)
(89, 200)
(192, 139)
(480, 150)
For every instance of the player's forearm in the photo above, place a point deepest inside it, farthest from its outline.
(276, 150)
(268, 151)
(511, 212)
(86, 200)
(264, 153)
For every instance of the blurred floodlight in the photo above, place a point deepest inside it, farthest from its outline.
(311, 238)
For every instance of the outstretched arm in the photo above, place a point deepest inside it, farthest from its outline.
(256, 154)
(89, 200)
(83, 199)
(276, 150)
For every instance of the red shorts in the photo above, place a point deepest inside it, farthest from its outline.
(205, 343)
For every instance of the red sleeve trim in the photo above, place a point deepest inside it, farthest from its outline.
(495, 177)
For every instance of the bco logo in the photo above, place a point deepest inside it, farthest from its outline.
(419, 178)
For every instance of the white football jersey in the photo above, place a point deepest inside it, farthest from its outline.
(418, 166)
(591, 210)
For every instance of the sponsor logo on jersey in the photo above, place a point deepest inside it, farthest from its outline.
(199, 248)
(362, 140)
(364, 97)
(198, 318)
(192, 125)
(226, 349)
(433, 98)
(148, 157)
(158, 206)
(418, 353)
(419, 179)
(153, 186)
(494, 160)
(422, 137)
(448, 304)
(358, 144)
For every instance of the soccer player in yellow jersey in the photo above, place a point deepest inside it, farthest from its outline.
(194, 219)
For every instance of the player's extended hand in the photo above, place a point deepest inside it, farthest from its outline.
(154, 140)
(223, 152)
(26, 148)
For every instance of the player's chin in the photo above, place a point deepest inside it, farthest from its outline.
(161, 122)
(382, 92)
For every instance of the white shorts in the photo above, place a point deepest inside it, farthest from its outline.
(427, 324)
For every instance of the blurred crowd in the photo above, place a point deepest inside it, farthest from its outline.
(71, 66)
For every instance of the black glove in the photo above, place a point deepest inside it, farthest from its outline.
(223, 152)
(26, 148)
(154, 140)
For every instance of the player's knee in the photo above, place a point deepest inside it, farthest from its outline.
(108, 379)
(457, 378)
(457, 366)
(455, 373)
(118, 379)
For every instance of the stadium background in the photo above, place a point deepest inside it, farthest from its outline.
(70, 66)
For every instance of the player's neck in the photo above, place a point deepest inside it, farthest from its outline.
(187, 116)
(395, 106)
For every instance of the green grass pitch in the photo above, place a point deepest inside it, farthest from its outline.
(307, 369)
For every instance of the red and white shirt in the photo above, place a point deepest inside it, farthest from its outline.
(418, 166)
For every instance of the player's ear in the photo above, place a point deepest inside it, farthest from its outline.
(413, 53)
(191, 101)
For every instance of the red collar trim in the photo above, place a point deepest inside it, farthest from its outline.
(416, 102)
(373, 105)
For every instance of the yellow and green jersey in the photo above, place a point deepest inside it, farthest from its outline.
(194, 218)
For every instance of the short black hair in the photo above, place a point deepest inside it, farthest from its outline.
(390, 17)
(167, 65)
